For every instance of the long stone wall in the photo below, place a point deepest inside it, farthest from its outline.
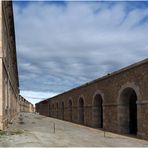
(8, 64)
(9, 83)
(24, 105)
(117, 102)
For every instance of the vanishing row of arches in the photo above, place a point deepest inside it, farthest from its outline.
(127, 111)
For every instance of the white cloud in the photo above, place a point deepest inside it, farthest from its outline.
(63, 46)
(35, 97)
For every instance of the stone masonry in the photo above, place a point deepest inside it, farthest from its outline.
(117, 102)
(9, 83)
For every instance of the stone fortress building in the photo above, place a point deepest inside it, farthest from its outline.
(24, 105)
(10, 100)
(117, 102)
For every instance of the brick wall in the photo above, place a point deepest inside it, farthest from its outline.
(115, 90)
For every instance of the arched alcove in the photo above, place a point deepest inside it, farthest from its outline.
(49, 110)
(81, 111)
(127, 111)
(70, 110)
(53, 110)
(57, 109)
(62, 111)
(97, 111)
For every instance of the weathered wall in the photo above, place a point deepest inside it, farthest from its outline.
(114, 89)
(24, 105)
(10, 102)
(0, 29)
(9, 72)
(43, 108)
(1, 64)
(1, 95)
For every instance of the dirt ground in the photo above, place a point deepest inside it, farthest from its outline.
(30, 129)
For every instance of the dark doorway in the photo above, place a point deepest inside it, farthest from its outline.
(57, 110)
(62, 111)
(81, 111)
(49, 111)
(70, 110)
(53, 112)
(133, 114)
(128, 111)
(97, 112)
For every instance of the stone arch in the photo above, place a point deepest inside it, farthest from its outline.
(81, 110)
(127, 109)
(70, 109)
(62, 110)
(99, 92)
(97, 111)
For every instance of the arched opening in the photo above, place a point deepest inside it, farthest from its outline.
(49, 111)
(57, 107)
(53, 110)
(62, 111)
(97, 112)
(81, 111)
(128, 111)
(70, 110)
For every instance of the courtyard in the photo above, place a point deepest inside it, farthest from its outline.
(30, 129)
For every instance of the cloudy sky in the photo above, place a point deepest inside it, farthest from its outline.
(61, 45)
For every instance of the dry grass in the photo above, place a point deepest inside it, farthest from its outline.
(17, 132)
(8, 133)
(2, 133)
